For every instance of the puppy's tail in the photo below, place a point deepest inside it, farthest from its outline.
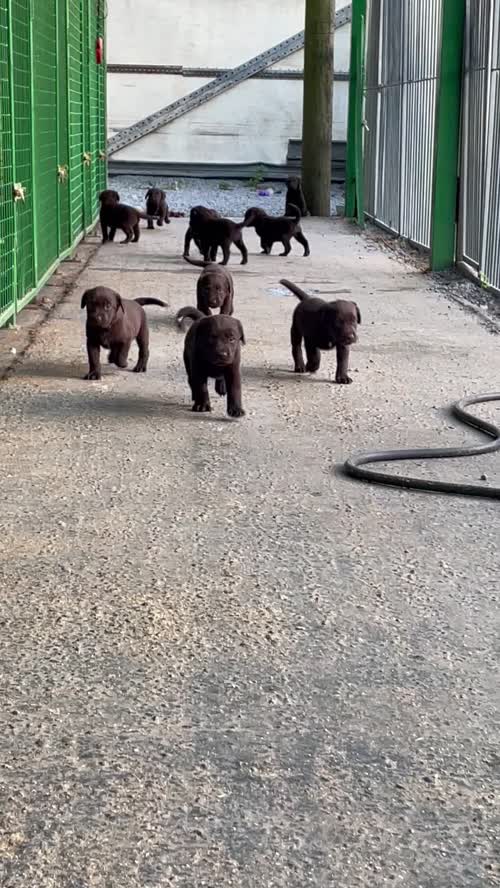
(300, 294)
(147, 301)
(142, 214)
(293, 211)
(200, 263)
(189, 312)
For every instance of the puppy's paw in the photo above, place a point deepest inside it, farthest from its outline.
(140, 367)
(312, 368)
(202, 408)
(243, 262)
(235, 411)
(307, 252)
(299, 368)
(220, 387)
(343, 380)
(93, 374)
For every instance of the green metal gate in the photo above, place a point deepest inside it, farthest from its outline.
(52, 138)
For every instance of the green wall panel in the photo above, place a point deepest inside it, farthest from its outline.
(7, 239)
(46, 135)
(52, 135)
(23, 154)
(62, 130)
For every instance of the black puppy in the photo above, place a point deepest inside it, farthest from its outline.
(323, 326)
(113, 322)
(156, 206)
(197, 217)
(271, 229)
(115, 215)
(214, 287)
(215, 233)
(212, 348)
(295, 197)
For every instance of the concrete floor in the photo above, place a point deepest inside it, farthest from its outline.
(223, 663)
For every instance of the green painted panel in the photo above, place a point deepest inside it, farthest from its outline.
(45, 129)
(23, 164)
(7, 241)
(89, 162)
(52, 112)
(63, 191)
(75, 91)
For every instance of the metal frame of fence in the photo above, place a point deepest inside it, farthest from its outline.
(404, 119)
(52, 138)
(479, 228)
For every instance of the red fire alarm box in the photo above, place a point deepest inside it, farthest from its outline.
(99, 50)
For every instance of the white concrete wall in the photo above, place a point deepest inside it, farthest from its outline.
(250, 123)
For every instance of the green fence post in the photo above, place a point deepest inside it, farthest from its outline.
(34, 191)
(354, 205)
(10, 28)
(447, 136)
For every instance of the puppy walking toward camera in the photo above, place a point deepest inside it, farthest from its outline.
(197, 218)
(214, 287)
(323, 326)
(276, 229)
(112, 323)
(212, 349)
(156, 207)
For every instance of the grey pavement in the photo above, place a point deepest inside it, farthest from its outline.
(223, 663)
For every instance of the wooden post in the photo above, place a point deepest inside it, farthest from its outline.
(317, 108)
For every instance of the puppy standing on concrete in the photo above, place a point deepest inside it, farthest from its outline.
(272, 229)
(115, 215)
(197, 217)
(295, 196)
(214, 288)
(156, 206)
(211, 232)
(323, 326)
(112, 323)
(212, 348)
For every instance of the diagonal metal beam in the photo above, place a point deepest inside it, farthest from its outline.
(209, 91)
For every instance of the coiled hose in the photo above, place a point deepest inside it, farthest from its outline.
(355, 466)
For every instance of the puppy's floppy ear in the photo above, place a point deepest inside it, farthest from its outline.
(83, 303)
(148, 193)
(358, 314)
(241, 332)
(119, 304)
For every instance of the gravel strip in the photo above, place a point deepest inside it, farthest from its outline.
(230, 197)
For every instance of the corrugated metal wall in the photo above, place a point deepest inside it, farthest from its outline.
(479, 237)
(52, 137)
(401, 82)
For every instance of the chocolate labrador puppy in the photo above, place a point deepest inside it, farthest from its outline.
(197, 217)
(214, 233)
(212, 348)
(113, 322)
(115, 215)
(295, 197)
(323, 326)
(156, 206)
(271, 229)
(214, 288)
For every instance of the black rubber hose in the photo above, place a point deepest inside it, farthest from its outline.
(354, 466)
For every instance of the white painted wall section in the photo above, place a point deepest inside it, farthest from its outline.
(250, 123)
